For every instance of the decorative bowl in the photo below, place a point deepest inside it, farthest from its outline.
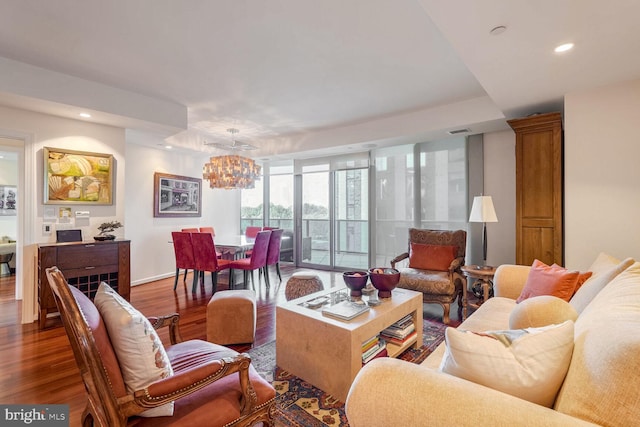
(385, 280)
(355, 281)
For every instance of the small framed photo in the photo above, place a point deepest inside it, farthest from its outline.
(77, 177)
(8, 199)
(176, 196)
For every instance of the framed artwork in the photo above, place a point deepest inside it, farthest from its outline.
(176, 196)
(77, 177)
(8, 197)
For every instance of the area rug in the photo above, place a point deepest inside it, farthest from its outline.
(299, 404)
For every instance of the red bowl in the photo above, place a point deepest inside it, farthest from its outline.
(384, 282)
(355, 282)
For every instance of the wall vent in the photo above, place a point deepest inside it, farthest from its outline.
(457, 131)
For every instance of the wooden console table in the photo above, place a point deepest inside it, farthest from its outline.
(85, 265)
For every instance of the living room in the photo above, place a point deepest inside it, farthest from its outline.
(599, 153)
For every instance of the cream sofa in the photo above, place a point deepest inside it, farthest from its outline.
(7, 248)
(600, 387)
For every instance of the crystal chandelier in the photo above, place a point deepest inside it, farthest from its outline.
(231, 172)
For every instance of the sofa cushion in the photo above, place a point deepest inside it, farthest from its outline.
(546, 279)
(527, 363)
(601, 384)
(605, 268)
(493, 314)
(541, 311)
(140, 352)
(431, 257)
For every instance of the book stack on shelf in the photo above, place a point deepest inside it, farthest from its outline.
(401, 331)
(372, 348)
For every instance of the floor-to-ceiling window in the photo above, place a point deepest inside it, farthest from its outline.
(418, 185)
(252, 206)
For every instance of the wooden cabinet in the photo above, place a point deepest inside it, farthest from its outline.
(539, 189)
(85, 265)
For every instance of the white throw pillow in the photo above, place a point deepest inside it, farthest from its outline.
(527, 363)
(140, 352)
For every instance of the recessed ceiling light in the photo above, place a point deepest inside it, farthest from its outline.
(1, 156)
(168, 147)
(563, 47)
(85, 115)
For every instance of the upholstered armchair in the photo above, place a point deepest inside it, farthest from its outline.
(432, 266)
(202, 383)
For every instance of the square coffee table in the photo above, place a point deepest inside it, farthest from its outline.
(327, 352)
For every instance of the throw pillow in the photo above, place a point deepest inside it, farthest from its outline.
(138, 348)
(541, 311)
(527, 363)
(431, 257)
(604, 272)
(544, 279)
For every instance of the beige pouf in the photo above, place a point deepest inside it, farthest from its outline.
(231, 317)
(301, 284)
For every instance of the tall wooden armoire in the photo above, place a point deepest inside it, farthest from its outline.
(539, 189)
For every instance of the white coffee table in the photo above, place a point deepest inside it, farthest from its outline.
(327, 352)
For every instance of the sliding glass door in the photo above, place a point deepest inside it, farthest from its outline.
(334, 219)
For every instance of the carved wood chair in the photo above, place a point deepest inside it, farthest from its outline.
(434, 260)
(211, 384)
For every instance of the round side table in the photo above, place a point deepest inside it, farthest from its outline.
(481, 278)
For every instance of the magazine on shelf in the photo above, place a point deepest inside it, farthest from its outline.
(345, 310)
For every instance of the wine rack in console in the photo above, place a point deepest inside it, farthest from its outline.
(84, 265)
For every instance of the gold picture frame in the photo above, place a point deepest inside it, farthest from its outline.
(77, 177)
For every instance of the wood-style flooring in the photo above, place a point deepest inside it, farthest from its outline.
(37, 367)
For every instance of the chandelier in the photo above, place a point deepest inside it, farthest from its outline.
(231, 172)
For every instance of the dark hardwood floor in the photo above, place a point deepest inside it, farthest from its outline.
(38, 366)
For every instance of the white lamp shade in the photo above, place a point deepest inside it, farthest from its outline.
(482, 210)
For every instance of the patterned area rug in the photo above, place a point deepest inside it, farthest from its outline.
(299, 404)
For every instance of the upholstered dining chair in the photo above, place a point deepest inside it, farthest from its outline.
(273, 254)
(434, 261)
(211, 231)
(183, 250)
(208, 384)
(206, 258)
(252, 231)
(256, 261)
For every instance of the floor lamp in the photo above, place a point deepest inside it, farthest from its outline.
(482, 211)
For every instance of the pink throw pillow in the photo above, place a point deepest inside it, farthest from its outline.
(431, 257)
(549, 280)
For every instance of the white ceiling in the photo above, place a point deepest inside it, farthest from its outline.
(308, 76)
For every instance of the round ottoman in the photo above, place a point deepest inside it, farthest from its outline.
(302, 283)
(231, 317)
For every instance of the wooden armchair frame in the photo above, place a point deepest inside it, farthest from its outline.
(100, 377)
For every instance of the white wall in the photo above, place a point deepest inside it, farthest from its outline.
(500, 184)
(602, 173)
(41, 130)
(152, 255)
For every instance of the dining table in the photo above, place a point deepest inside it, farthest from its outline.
(233, 246)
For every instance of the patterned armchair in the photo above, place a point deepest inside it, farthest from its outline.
(434, 260)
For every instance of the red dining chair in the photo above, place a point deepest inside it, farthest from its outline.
(252, 231)
(204, 252)
(208, 230)
(257, 260)
(183, 249)
(190, 230)
(273, 254)
(211, 231)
